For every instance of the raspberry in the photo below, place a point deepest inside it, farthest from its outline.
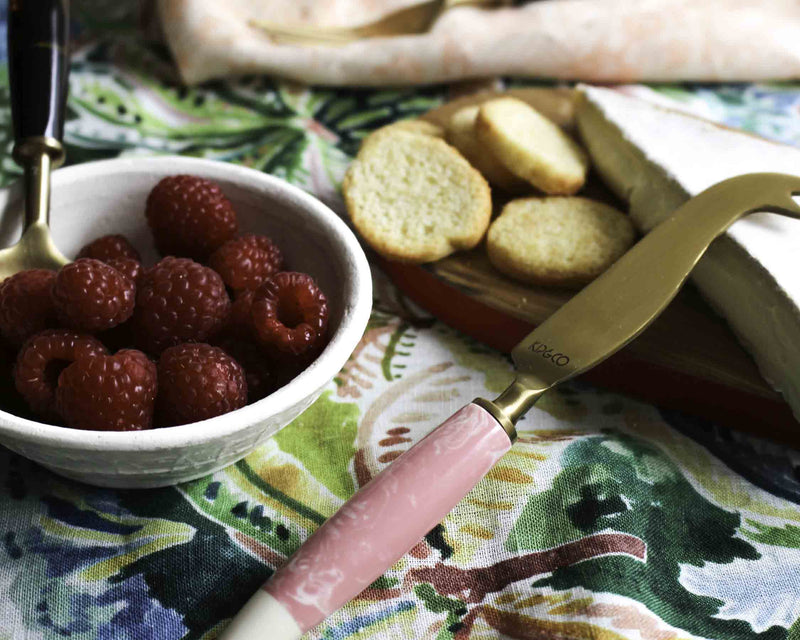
(121, 336)
(106, 248)
(108, 393)
(262, 376)
(189, 216)
(41, 360)
(127, 267)
(179, 301)
(197, 382)
(290, 316)
(90, 295)
(26, 305)
(246, 263)
(116, 251)
(240, 324)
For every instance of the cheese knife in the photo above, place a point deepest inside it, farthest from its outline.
(391, 513)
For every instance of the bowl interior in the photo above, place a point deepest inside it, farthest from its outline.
(109, 197)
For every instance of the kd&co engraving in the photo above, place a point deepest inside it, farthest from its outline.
(558, 359)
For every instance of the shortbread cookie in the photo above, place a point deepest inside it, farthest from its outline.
(531, 146)
(461, 134)
(421, 127)
(414, 198)
(563, 242)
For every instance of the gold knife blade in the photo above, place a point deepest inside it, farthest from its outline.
(398, 506)
(616, 307)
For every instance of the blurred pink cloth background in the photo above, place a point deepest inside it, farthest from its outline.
(592, 40)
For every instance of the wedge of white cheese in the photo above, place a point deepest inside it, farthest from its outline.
(656, 159)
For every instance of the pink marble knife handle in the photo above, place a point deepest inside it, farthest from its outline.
(375, 528)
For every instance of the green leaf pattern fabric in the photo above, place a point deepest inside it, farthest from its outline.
(608, 519)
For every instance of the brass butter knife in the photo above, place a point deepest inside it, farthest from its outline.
(390, 514)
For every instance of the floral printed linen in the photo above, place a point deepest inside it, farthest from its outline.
(608, 519)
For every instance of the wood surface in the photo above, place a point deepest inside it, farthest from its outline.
(688, 359)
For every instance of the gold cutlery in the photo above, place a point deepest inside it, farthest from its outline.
(38, 66)
(390, 514)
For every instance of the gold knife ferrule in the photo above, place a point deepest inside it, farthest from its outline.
(514, 402)
(29, 150)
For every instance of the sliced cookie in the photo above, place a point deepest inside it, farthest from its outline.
(461, 134)
(420, 127)
(531, 146)
(414, 198)
(564, 242)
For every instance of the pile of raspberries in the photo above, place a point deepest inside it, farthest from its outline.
(107, 344)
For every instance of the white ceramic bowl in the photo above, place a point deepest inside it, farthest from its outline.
(93, 199)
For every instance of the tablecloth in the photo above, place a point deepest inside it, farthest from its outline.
(609, 518)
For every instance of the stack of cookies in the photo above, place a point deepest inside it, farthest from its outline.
(417, 193)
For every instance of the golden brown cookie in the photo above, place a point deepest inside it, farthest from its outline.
(414, 198)
(564, 242)
(421, 127)
(461, 134)
(531, 146)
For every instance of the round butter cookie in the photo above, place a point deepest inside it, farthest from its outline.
(531, 146)
(562, 242)
(420, 127)
(461, 134)
(414, 198)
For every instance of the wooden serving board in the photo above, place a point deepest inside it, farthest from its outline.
(687, 360)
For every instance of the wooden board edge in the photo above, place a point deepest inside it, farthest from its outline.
(622, 372)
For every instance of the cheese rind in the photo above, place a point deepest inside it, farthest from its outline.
(656, 159)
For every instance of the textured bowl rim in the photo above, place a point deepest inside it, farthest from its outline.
(357, 306)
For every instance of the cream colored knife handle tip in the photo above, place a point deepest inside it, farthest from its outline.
(263, 617)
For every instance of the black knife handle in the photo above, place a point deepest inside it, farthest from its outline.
(38, 59)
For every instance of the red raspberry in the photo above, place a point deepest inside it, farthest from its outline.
(290, 316)
(41, 360)
(240, 324)
(197, 382)
(108, 393)
(189, 216)
(127, 267)
(107, 247)
(262, 375)
(245, 263)
(179, 301)
(26, 305)
(89, 295)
